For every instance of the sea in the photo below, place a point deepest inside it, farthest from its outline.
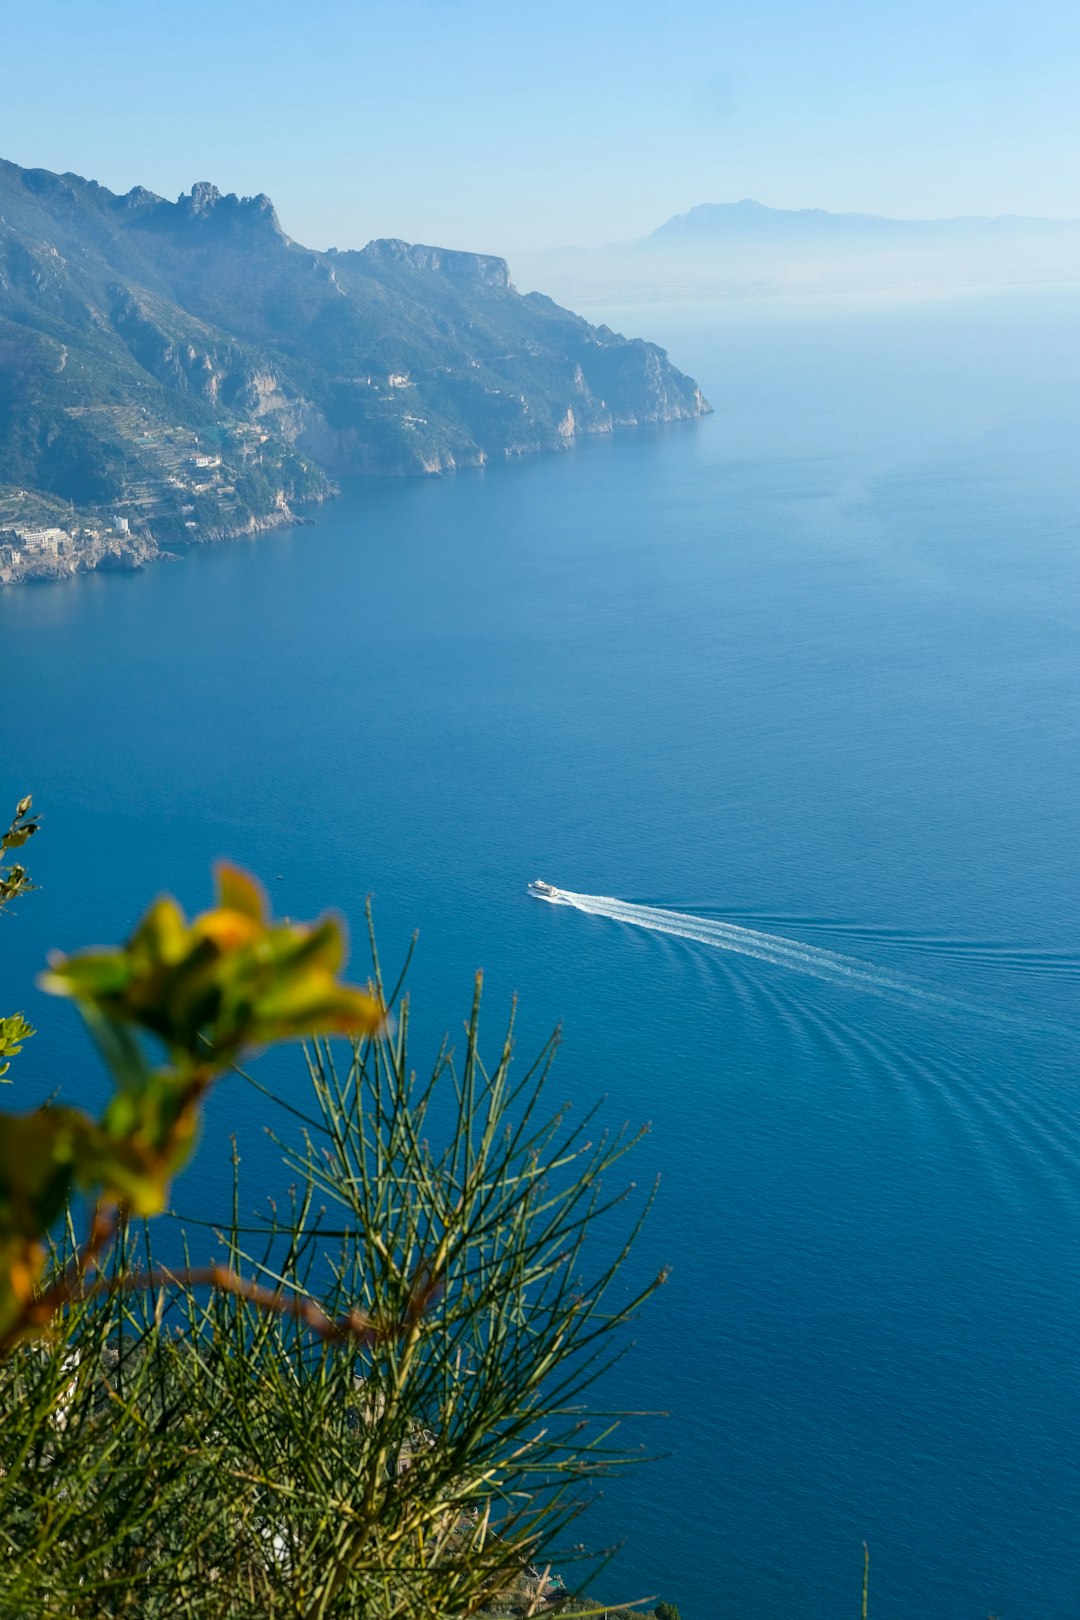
(786, 701)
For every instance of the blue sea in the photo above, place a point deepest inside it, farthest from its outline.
(805, 671)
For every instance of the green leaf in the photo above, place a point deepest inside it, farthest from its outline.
(122, 1053)
(13, 1032)
(90, 975)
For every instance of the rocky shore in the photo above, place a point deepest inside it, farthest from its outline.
(31, 556)
(60, 548)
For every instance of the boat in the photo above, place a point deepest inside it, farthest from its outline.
(543, 891)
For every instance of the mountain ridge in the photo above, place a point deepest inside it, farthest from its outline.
(748, 215)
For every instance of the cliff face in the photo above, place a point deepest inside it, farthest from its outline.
(125, 317)
(479, 268)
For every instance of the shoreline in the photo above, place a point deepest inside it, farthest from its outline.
(65, 559)
(116, 551)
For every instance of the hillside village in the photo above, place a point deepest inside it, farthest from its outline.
(176, 487)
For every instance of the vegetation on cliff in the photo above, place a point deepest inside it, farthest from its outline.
(192, 367)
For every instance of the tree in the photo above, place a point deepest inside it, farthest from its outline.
(372, 1401)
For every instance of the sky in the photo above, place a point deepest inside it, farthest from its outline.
(509, 126)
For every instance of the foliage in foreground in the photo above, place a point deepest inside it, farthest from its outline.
(204, 1441)
(204, 991)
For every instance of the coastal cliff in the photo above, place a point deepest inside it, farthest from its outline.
(187, 368)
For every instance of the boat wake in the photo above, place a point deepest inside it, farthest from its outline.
(776, 949)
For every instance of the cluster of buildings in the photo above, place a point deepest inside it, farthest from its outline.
(28, 550)
(17, 543)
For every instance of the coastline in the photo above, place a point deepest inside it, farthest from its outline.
(66, 555)
(81, 546)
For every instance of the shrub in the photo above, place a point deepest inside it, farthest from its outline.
(371, 1401)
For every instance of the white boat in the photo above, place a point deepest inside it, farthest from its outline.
(543, 891)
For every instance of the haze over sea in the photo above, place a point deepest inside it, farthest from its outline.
(808, 667)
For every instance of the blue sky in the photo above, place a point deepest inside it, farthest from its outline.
(508, 126)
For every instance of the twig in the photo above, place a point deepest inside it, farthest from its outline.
(355, 1326)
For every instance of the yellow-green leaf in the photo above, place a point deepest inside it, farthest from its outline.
(238, 891)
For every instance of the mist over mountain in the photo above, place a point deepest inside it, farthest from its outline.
(747, 249)
(750, 220)
(189, 365)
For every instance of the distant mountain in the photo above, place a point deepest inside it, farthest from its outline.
(746, 250)
(188, 365)
(755, 222)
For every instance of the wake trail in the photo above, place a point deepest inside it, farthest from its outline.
(794, 954)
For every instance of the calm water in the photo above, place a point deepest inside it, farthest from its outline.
(808, 668)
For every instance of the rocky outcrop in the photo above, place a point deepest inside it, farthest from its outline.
(481, 268)
(108, 554)
(206, 209)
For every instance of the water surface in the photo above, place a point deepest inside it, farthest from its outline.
(806, 669)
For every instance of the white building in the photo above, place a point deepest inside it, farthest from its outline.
(42, 542)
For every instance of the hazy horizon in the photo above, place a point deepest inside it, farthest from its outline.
(746, 252)
(466, 124)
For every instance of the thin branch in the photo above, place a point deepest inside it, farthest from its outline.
(356, 1326)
